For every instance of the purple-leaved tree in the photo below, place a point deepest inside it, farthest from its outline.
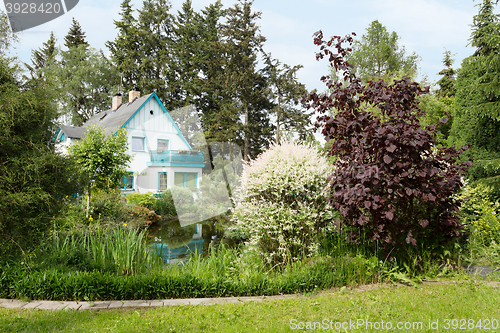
(389, 177)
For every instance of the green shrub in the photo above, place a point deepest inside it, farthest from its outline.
(145, 200)
(109, 205)
(282, 205)
(164, 205)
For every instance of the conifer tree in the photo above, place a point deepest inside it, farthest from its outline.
(75, 36)
(42, 57)
(243, 42)
(447, 82)
(154, 31)
(378, 55)
(286, 92)
(125, 48)
(477, 101)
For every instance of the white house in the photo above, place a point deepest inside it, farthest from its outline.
(161, 156)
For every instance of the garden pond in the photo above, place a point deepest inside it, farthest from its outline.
(176, 243)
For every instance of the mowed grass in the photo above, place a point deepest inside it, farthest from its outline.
(461, 300)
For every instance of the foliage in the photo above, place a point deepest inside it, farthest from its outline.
(164, 205)
(33, 178)
(145, 216)
(473, 197)
(101, 159)
(447, 82)
(145, 199)
(84, 81)
(124, 49)
(282, 207)
(7, 36)
(222, 273)
(389, 177)
(378, 55)
(75, 36)
(477, 116)
(286, 92)
(435, 108)
(43, 57)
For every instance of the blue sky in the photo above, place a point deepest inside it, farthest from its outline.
(425, 26)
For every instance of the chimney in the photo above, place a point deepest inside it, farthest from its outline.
(133, 94)
(117, 101)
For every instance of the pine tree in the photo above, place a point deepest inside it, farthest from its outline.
(75, 36)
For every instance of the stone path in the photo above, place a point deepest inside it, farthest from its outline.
(59, 305)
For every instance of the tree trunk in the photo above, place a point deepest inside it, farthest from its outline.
(246, 157)
(278, 121)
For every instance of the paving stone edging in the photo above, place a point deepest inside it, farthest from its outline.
(60, 305)
(99, 305)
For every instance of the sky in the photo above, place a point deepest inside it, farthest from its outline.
(427, 27)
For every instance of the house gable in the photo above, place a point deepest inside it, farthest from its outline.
(152, 116)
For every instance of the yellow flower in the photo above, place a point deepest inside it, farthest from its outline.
(124, 224)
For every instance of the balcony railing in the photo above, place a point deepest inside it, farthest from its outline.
(176, 157)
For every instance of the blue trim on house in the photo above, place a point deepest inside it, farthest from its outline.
(166, 112)
(143, 142)
(185, 177)
(173, 164)
(158, 141)
(137, 111)
(129, 174)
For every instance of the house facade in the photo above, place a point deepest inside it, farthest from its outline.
(161, 156)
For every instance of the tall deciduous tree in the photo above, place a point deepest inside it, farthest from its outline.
(378, 55)
(477, 101)
(102, 159)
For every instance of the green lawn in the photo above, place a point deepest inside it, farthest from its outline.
(436, 302)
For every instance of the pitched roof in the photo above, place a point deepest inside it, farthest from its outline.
(73, 132)
(112, 120)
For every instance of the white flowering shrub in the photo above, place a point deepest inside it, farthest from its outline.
(282, 206)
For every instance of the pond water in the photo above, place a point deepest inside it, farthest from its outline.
(176, 243)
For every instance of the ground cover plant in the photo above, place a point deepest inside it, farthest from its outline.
(389, 175)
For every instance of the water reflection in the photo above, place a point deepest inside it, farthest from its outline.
(176, 243)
